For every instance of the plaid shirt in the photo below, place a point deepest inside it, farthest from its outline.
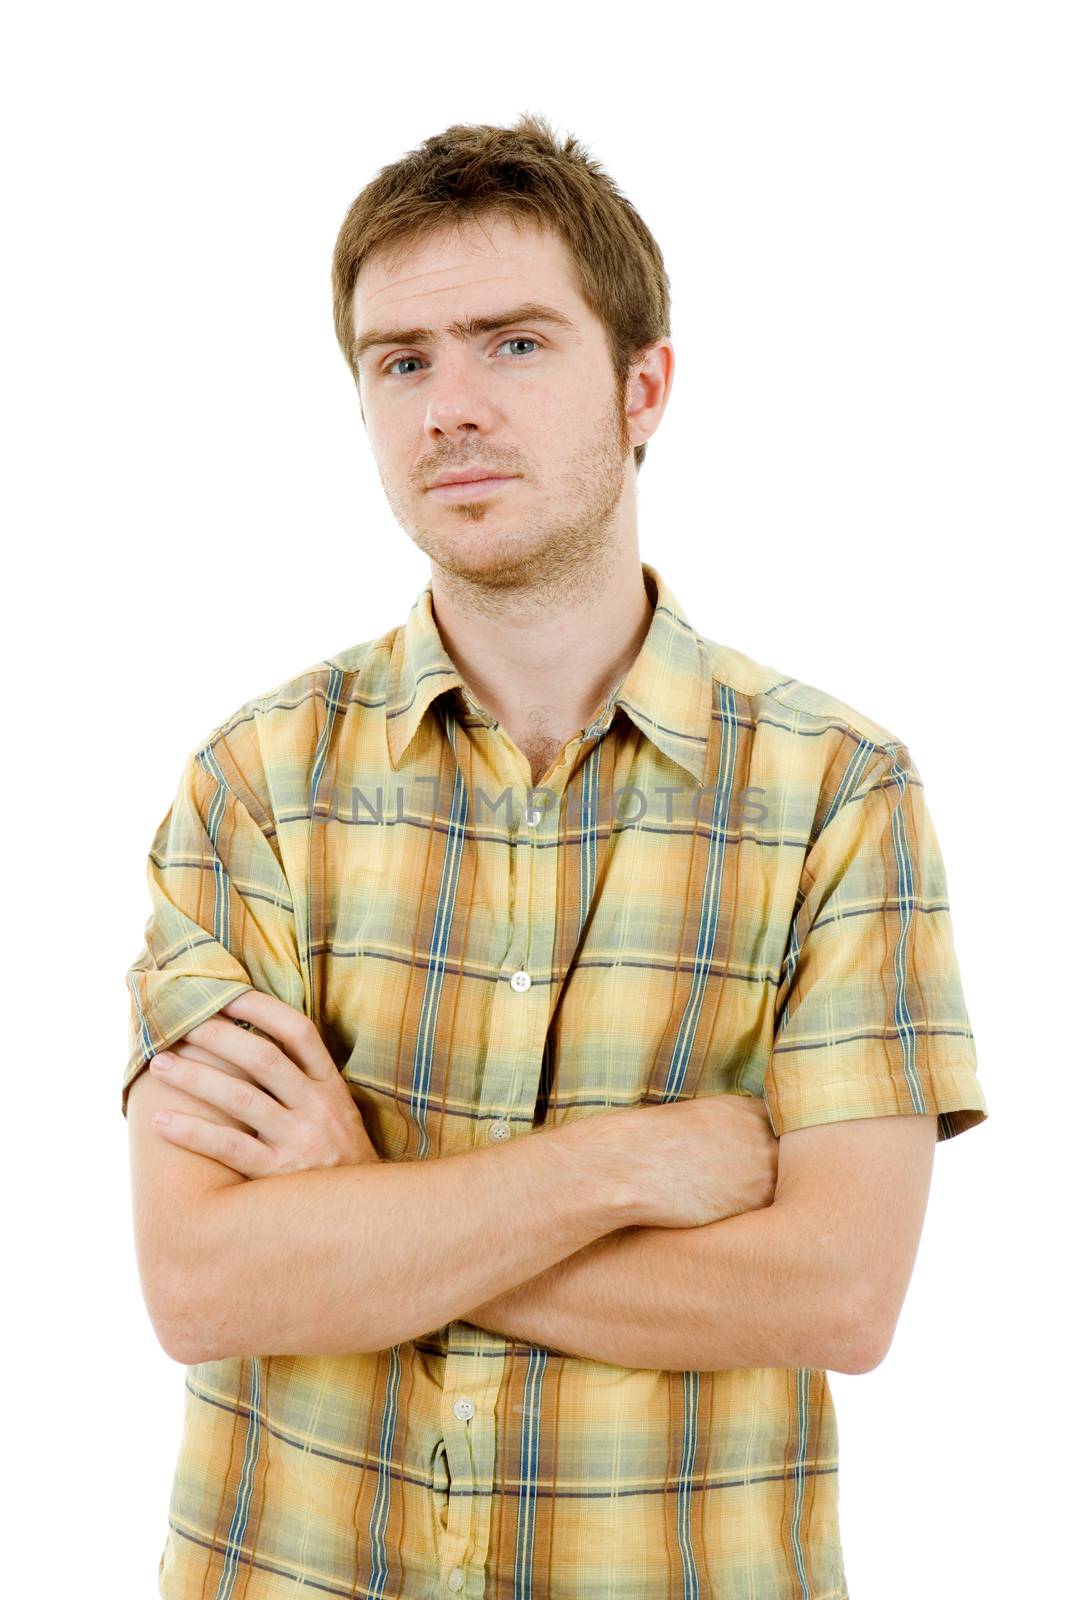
(730, 883)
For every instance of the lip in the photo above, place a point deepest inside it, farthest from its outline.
(473, 489)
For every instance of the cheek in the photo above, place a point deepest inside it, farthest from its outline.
(556, 436)
(396, 458)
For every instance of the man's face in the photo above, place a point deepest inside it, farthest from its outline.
(533, 401)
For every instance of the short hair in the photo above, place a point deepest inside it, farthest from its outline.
(529, 176)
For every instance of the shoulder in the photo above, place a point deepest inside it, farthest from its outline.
(812, 751)
(793, 706)
(264, 748)
(287, 704)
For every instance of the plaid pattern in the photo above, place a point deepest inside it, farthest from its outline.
(731, 884)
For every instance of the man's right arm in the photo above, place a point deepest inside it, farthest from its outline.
(350, 1259)
(321, 1261)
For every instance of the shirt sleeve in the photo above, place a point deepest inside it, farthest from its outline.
(221, 922)
(870, 1016)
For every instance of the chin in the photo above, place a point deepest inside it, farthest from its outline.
(506, 560)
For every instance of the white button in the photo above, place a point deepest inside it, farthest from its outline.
(455, 1578)
(520, 982)
(464, 1408)
(532, 816)
(499, 1130)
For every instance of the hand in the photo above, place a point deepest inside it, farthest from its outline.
(302, 1116)
(690, 1162)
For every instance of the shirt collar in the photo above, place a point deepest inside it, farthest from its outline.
(667, 692)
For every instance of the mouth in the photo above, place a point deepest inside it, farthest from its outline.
(475, 489)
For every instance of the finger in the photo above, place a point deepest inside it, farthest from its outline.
(258, 1056)
(198, 1052)
(295, 1033)
(194, 1052)
(245, 1102)
(236, 1150)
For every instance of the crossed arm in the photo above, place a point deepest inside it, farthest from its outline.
(817, 1278)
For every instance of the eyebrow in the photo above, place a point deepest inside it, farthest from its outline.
(465, 328)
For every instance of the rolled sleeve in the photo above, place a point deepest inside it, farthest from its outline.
(221, 922)
(870, 1018)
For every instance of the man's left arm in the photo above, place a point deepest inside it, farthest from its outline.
(873, 1059)
(816, 1279)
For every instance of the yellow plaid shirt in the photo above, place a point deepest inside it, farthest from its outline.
(729, 883)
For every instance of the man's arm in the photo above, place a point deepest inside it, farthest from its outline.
(808, 1272)
(346, 1259)
(285, 1110)
(816, 1279)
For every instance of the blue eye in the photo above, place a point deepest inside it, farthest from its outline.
(515, 338)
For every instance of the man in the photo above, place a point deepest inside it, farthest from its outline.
(556, 1010)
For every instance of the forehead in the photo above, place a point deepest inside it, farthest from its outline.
(474, 266)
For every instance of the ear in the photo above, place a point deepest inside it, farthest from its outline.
(648, 389)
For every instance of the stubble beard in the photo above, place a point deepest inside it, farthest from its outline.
(544, 557)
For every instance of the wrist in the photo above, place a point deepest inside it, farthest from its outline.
(602, 1169)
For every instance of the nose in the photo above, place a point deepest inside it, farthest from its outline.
(457, 403)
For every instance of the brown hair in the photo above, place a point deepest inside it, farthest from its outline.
(526, 174)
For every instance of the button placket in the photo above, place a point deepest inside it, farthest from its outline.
(514, 1058)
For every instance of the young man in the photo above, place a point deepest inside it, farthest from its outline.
(556, 1009)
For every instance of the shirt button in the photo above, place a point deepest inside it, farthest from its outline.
(520, 982)
(463, 1408)
(532, 816)
(499, 1130)
(455, 1578)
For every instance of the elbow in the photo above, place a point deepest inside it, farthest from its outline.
(204, 1312)
(174, 1340)
(862, 1356)
(178, 1319)
(200, 1326)
(179, 1353)
(182, 1348)
(857, 1340)
(175, 1296)
(159, 1302)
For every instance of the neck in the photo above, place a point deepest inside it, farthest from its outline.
(543, 664)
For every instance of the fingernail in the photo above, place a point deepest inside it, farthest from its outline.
(162, 1062)
(161, 1118)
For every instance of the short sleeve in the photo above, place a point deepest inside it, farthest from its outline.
(870, 1017)
(221, 921)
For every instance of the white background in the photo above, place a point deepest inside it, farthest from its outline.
(859, 479)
